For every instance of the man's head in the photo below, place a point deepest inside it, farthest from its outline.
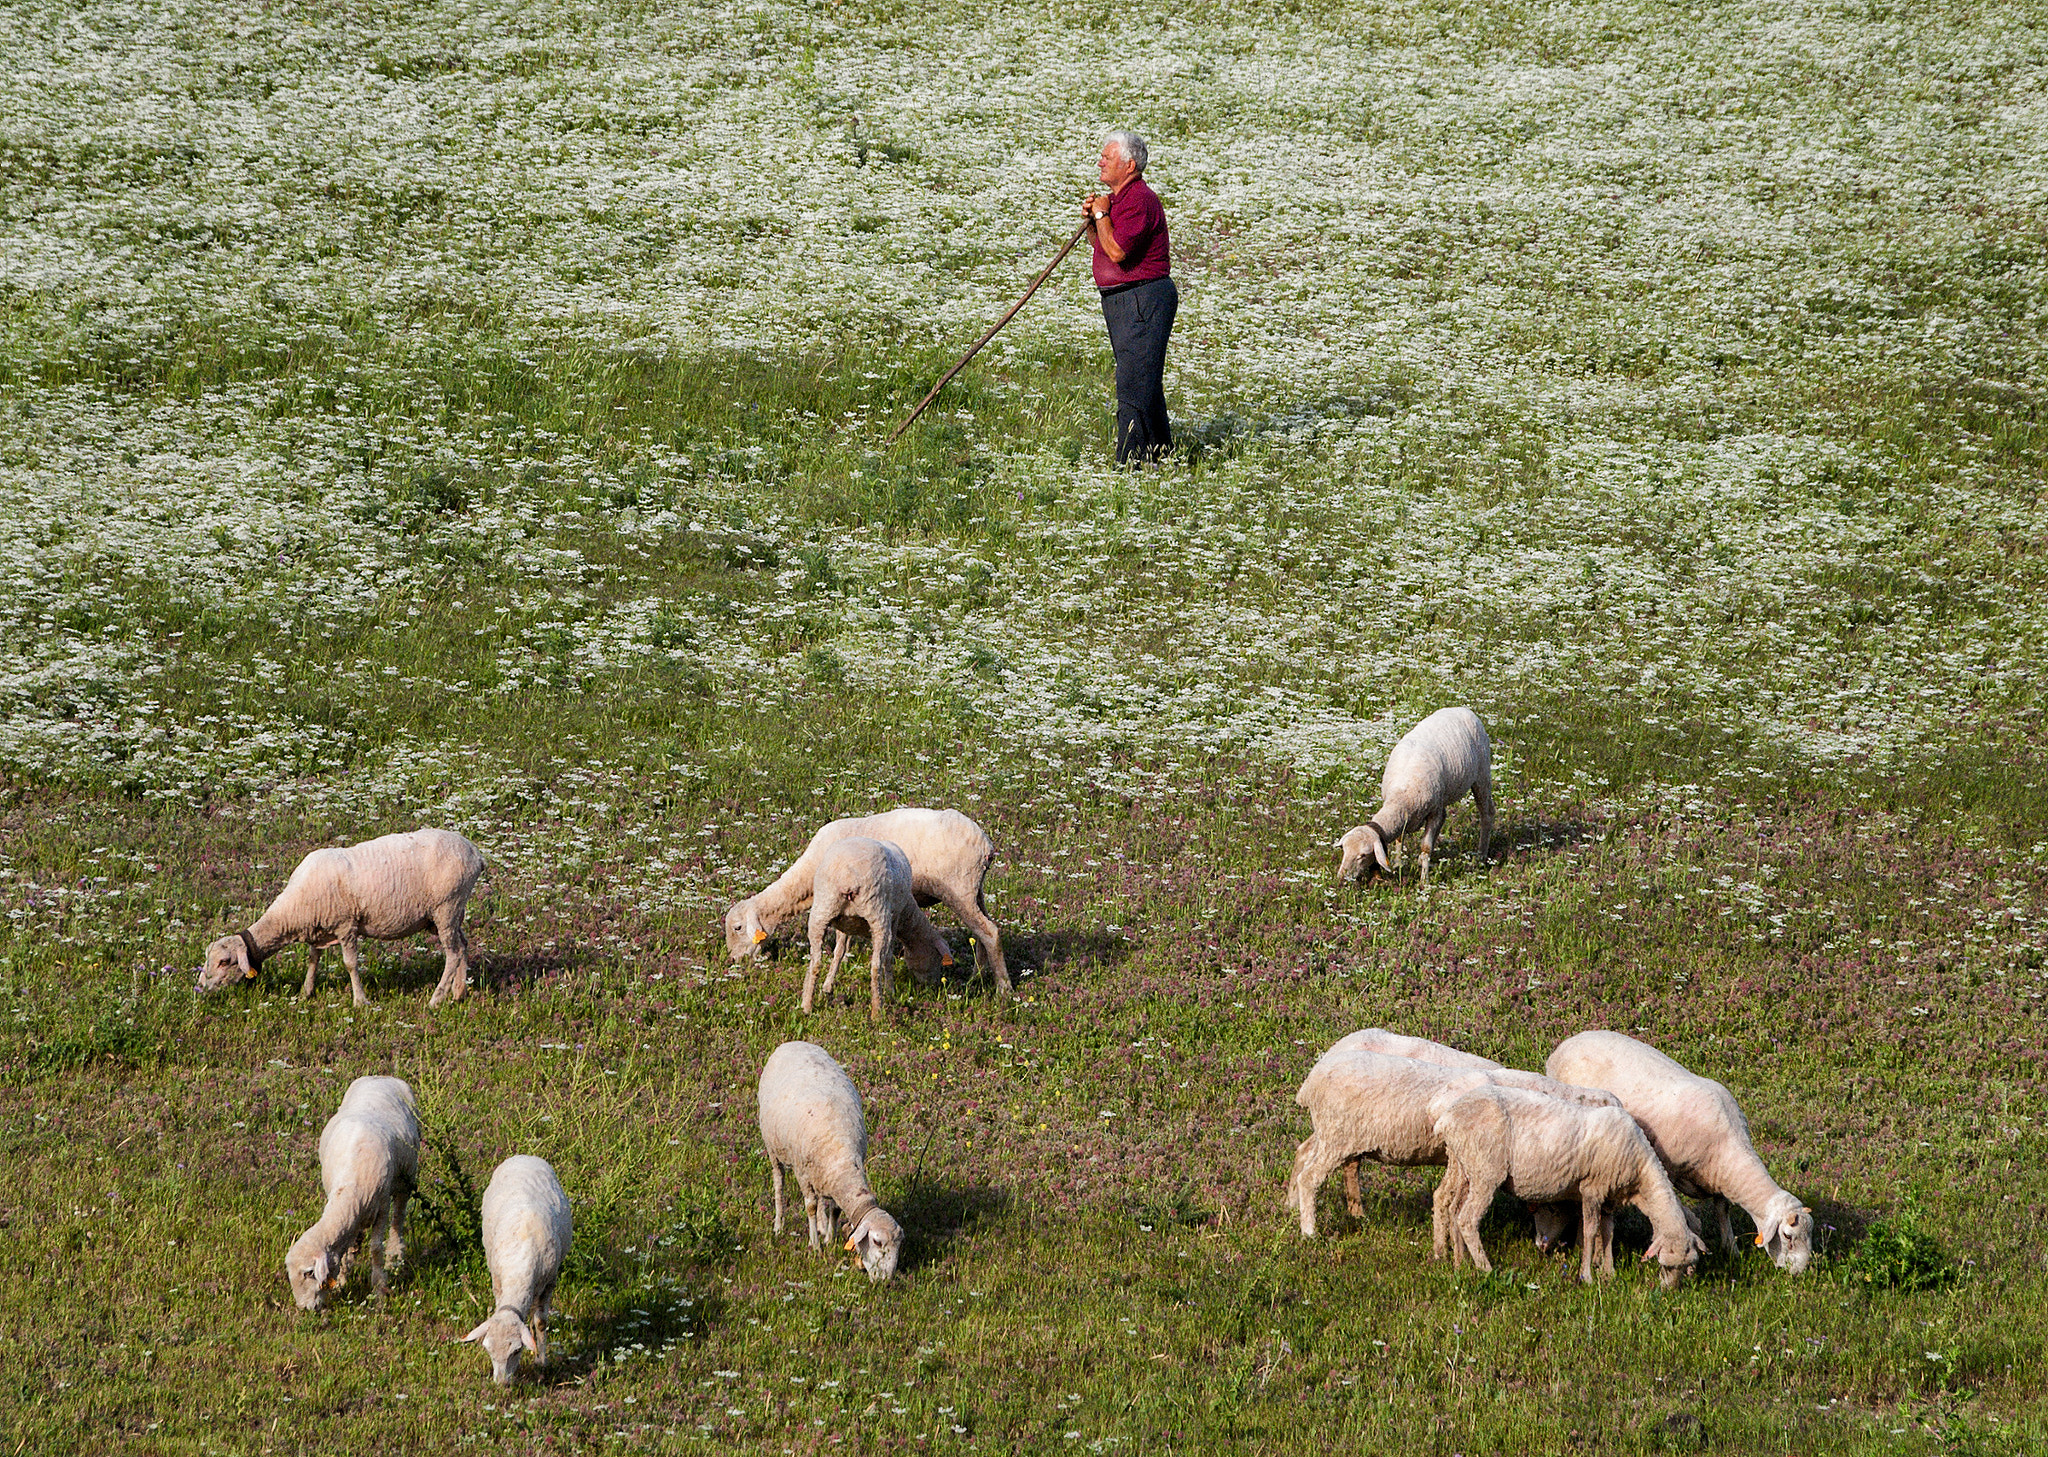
(1123, 158)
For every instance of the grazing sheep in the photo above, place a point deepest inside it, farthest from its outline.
(949, 858)
(1545, 1149)
(1370, 1105)
(863, 885)
(923, 949)
(369, 1161)
(386, 889)
(526, 1238)
(811, 1122)
(1437, 763)
(1699, 1132)
(1394, 1044)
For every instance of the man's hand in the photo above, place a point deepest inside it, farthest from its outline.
(1095, 200)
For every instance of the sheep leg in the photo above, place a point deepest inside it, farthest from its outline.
(1482, 796)
(1727, 1227)
(1607, 1243)
(1443, 1211)
(1430, 831)
(882, 936)
(454, 964)
(988, 942)
(1354, 1196)
(811, 1210)
(776, 1166)
(312, 970)
(353, 962)
(394, 1244)
(380, 1223)
(820, 918)
(1313, 1163)
(839, 946)
(543, 1309)
(1477, 1198)
(1592, 1234)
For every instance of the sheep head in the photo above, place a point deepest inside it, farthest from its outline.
(1675, 1256)
(1557, 1225)
(744, 932)
(1362, 847)
(1786, 1233)
(313, 1272)
(504, 1336)
(227, 962)
(878, 1241)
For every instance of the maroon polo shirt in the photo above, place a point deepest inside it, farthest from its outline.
(1139, 223)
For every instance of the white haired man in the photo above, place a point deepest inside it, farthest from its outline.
(1128, 227)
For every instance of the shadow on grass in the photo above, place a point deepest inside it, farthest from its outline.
(934, 1214)
(622, 1324)
(520, 971)
(1047, 950)
(1540, 834)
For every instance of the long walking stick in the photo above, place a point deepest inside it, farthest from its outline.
(989, 335)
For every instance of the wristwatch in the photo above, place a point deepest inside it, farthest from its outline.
(1101, 215)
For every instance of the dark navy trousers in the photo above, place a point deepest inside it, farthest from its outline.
(1139, 319)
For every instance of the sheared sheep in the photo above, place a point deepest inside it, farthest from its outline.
(1394, 1044)
(386, 889)
(863, 885)
(526, 1237)
(1545, 1149)
(1370, 1105)
(949, 859)
(369, 1162)
(1699, 1132)
(811, 1123)
(1436, 764)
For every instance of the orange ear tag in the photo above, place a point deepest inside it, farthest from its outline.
(1759, 1239)
(945, 961)
(249, 975)
(759, 937)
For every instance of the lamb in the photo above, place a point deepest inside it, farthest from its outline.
(1370, 1105)
(811, 1122)
(387, 889)
(526, 1238)
(369, 1162)
(949, 859)
(1699, 1132)
(1437, 763)
(864, 885)
(1545, 1149)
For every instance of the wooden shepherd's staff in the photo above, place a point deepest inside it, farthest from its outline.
(989, 335)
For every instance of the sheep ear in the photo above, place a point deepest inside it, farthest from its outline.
(1804, 1210)
(321, 1266)
(1379, 853)
(1336, 844)
(242, 959)
(526, 1338)
(477, 1334)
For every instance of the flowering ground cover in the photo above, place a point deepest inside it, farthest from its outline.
(471, 415)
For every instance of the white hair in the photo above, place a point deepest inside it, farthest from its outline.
(1130, 144)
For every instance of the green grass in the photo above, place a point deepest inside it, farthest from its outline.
(476, 419)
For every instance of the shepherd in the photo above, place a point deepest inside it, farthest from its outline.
(1128, 228)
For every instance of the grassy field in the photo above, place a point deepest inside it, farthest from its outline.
(470, 415)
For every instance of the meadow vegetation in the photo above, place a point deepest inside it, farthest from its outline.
(470, 414)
